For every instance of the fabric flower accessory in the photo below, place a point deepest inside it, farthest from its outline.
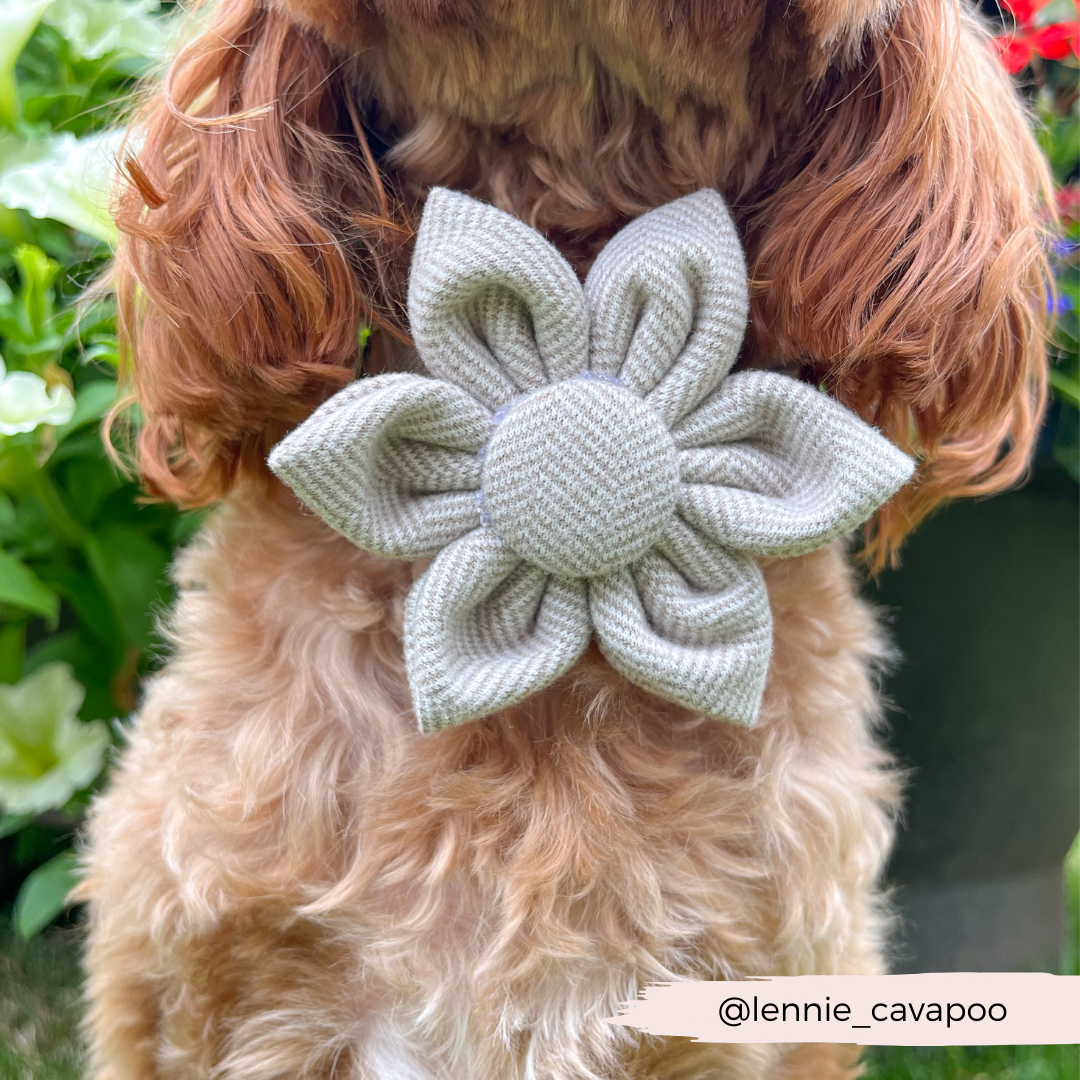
(579, 465)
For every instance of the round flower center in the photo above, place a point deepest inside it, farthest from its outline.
(581, 477)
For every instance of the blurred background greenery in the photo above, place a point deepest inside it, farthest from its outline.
(83, 559)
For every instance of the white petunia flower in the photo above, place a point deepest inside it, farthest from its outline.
(46, 752)
(66, 179)
(26, 401)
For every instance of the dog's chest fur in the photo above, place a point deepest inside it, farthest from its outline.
(488, 894)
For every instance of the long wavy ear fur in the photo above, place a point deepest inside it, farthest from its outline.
(253, 216)
(898, 256)
(895, 244)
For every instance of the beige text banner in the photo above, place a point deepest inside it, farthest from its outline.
(952, 1009)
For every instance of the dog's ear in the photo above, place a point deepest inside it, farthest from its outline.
(897, 257)
(257, 238)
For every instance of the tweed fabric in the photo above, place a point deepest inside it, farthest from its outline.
(771, 466)
(581, 477)
(669, 300)
(493, 307)
(396, 467)
(583, 465)
(691, 622)
(481, 624)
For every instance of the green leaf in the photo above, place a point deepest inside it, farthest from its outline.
(17, 465)
(37, 272)
(131, 570)
(90, 604)
(1071, 965)
(18, 18)
(92, 402)
(66, 647)
(22, 588)
(8, 519)
(12, 651)
(44, 894)
(1056, 11)
(12, 823)
(1067, 389)
(20, 475)
(1067, 441)
(187, 524)
(94, 667)
(88, 482)
(102, 352)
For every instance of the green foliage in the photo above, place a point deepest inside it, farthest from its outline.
(40, 984)
(1058, 112)
(1071, 960)
(67, 63)
(972, 1063)
(44, 894)
(83, 558)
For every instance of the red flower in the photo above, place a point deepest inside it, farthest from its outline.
(1014, 53)
(1068, 203)
(1023, 11)
(1052, 42)
(1056, 41)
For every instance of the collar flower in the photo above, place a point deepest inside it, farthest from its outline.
(580, 463)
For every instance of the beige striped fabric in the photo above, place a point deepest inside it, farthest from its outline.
(581, 463)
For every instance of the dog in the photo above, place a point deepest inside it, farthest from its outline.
(284, 879)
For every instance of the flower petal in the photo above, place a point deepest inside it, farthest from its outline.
(390, 463)
(668, 301)
(690, 622)
(1014, 52)
(773, 466)
(493, 306)
(27, 401)
(50, 791)
(32, 710)
(1056, 41)
(484, 629)
(80, 756)
(46, 753)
